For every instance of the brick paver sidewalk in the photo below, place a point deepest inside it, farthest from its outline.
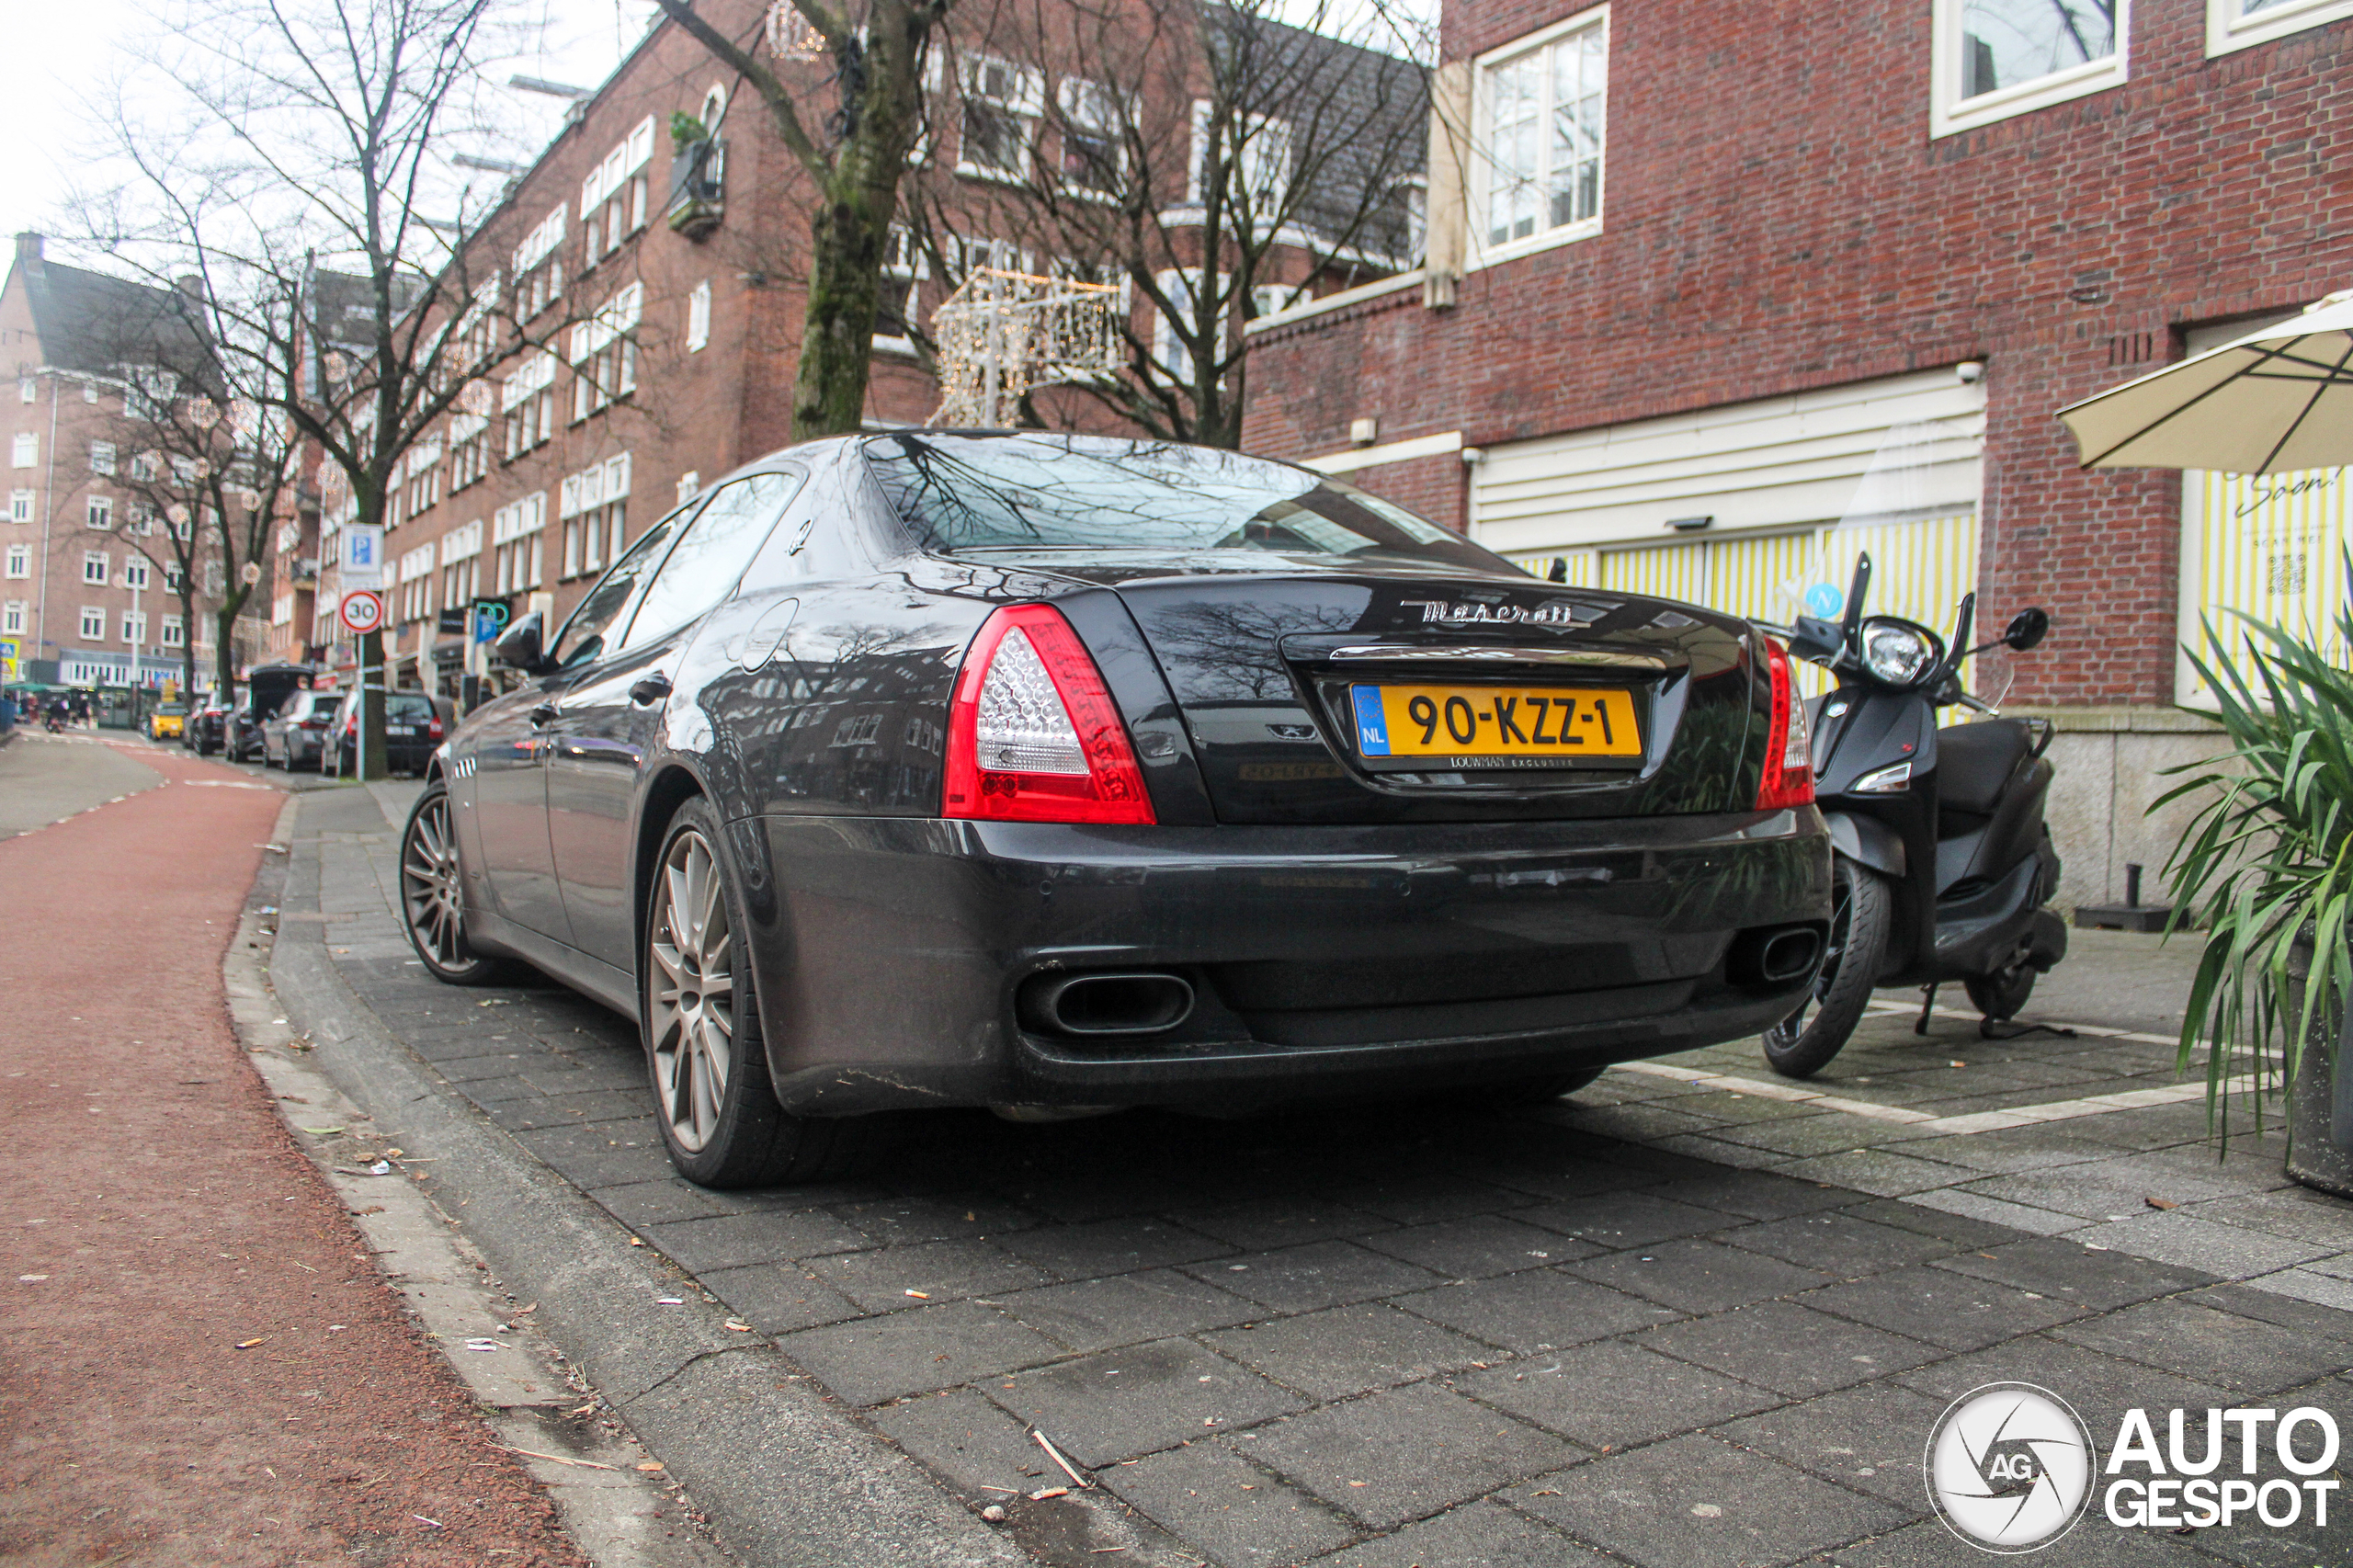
(1669, 1323)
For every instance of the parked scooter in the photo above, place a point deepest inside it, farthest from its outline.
(1943, 863)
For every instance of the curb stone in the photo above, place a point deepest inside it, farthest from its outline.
(783, 1476)
(607, 1489)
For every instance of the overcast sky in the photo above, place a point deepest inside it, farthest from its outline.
(75, 48)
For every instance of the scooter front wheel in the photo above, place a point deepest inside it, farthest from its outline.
(1803, 1044)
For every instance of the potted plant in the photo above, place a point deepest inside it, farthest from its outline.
(2266, 865)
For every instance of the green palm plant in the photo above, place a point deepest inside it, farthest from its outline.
(2266, 865)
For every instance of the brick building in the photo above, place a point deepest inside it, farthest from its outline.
(85, 592)
(653, 251)
(1717, 295)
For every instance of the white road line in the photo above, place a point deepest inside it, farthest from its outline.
(1759, 1089)
(1940, 1126)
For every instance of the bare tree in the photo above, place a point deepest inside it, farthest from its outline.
(855, 157)
(295, 156)
(204, 474)
(1218, 160)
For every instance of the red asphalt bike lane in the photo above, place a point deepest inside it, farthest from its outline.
(155, 1215)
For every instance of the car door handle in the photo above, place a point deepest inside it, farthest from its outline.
(543, 715)
(652, 689)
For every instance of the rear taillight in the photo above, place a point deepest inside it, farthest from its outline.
(1033, 734)
(433, 729)
(1788, 758)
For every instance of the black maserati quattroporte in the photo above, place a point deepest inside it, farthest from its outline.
(1057, 772)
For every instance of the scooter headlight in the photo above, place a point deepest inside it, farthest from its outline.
(1898, 652)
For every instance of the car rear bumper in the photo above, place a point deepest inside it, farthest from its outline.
(900, 963)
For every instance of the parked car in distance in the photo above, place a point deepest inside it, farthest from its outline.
(168, 722)
(1062, 774)
(295, 736)
(414, 723)
(201, 733)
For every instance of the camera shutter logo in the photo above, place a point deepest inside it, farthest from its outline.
(2009, 1467)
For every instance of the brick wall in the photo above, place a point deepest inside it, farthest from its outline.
(1777, 219)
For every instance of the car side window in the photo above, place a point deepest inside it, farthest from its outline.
(712, 554)
(584, 636)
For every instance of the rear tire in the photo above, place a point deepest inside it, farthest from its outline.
(2003, 994)
(704, 1052)
(1803, 1043)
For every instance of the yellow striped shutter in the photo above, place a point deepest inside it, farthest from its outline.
(1920, 569)
(2271, 546)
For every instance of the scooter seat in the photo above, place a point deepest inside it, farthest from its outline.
(1974, 761)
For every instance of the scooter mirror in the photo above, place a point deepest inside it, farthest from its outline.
(2029, 628)
(1812, 638)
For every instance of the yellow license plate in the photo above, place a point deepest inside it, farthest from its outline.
(1550, 723)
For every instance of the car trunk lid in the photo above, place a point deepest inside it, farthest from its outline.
(1357, 692)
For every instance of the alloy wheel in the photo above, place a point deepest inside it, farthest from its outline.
(429, 886)
(692, 990)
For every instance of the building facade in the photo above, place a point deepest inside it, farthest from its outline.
(1718, 297)
(87, 571)
(641, 292)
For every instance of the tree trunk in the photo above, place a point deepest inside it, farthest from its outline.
(225, 662)
(846, 237)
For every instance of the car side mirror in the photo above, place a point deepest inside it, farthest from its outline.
(2028, 628)
(519, 644)
(1811, 638)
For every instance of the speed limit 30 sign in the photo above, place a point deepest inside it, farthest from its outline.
(363, 610)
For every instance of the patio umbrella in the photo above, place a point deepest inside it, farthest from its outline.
(2278, 400)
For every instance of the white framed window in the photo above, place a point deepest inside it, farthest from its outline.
(134, 574)
(1094, 141)
(20, 506)
(699, 317)
(172, 634)
(134, 626)
(12, 615)
(25, 450)
(28, 390)
(102, 457)
(1994, 59)
(95, 567)
(1002, 104)
(173, 579)
(2240, 24)
(21, 560)
(897, 290)
(99, 512)
(1540, 128)
(689, 485)
(1257, 156)
(1167, 348)
(143, 466)
(94, 624)
(184, 470)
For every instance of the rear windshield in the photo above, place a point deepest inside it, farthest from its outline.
(963, 494)
(409, 709)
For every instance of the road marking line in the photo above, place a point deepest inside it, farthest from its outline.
(1928, 1122)
(1758, 1089)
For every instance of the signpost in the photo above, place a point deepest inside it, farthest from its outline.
(359, 558)
(490, 619)
(362, 610)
